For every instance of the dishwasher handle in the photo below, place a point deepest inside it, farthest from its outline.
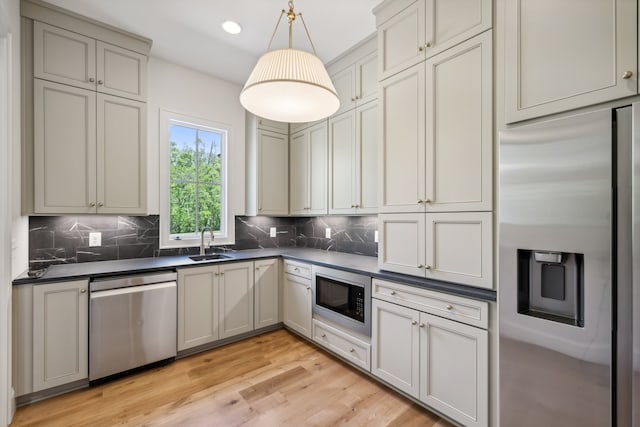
(102, 284)
(95, 295)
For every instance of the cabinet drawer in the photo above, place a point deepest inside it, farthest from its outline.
(297, 269)
(342, 344)
(465, 310)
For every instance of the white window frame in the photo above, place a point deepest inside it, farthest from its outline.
(222, 237)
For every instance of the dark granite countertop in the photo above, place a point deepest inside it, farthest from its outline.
(343, 261)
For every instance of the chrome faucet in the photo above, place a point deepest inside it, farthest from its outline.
(202, 239)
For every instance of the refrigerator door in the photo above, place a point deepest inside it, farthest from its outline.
(555, 293)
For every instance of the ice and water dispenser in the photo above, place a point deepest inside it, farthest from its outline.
(551, 285)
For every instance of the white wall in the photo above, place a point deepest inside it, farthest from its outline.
(9, 190)
(178, 89)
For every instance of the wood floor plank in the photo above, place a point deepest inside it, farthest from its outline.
(275, 379)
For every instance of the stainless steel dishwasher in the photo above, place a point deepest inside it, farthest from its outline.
(132, 322)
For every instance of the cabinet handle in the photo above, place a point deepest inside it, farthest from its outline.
(216, 274)
(222, 273)
(420, 48)
(352, 350)
(627, 75)
(392, 292)
(428, 44)
(420, 266)
(426, 201)
(308, 288)
(83, 291)
(353, 99)
(323, 335)
(99, 82)
(420, 201)
(92, 204)
(296, 269)
(92, 80)
(257, 268)
(100, 204)
(421, 325)
(449, 307)
(413, 322)
(427, 267)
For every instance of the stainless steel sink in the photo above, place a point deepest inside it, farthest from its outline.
(209, 257)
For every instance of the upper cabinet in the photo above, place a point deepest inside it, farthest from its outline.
(410, 31)
(84, 115)
(267, 166)
(308, 171)
(73, 59)
(581, 54)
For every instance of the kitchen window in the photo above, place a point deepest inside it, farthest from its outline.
(194, 179)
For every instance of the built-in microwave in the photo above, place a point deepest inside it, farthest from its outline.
(343, 297)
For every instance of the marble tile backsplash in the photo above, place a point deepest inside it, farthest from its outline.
(60, 240)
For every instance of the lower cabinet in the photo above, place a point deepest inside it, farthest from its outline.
(441, 362)
(297, 300)
(214, 302)
(266, 293)
(343, 344)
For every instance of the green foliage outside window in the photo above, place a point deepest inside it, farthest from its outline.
(195, 179)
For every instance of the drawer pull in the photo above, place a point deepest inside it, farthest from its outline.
(449, 307)
(352, 350)
(296, 269)
(413, 322)
(323, 335)
(83, 291)
(392, 292)
(627, 75)
(308, 288)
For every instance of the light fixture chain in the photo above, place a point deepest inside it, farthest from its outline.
(308, 36)
(275, 29)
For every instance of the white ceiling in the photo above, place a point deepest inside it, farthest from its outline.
(188, 32)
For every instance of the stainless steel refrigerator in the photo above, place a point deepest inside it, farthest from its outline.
(569, 271)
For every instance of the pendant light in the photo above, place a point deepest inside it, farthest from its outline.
(290, 85)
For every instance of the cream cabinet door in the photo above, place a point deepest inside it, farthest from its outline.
(64, 149)
(273, 173)
(318, 153)
(64, 57)
(401, 246)
(342, 163)
(402, 162)
(121, 72)
(122, 156)
(236, 299)
(459, 248)
(297, 304)
(266, 293)
(459, 136)
(299, 173)
(454, 369)
(449, 22)
(366, 158)
(581, 54)
(60, 333)
(366, 70)
(345, 83)
(395, 345)
(197, 306)
(401, 40)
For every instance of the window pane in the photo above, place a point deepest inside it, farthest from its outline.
(209, 206)
(210, 156)
(183, 208)
(183, 153)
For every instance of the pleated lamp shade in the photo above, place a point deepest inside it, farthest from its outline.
(291, 86)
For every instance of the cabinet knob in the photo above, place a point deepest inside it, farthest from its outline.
(413, 322)
(420, 201)
(420, 266)
(449, 307)
(353, 99)
(352, 350)
(426, 201)
(420, 48)
(308, 288)
(92, 80)
(216, 274)
(99, 82)
(323, 335)
(83, 291)
(222, 273)
(427, 267)
(428, 44)
(421, 325)
(392, 292)
(92, 204)
(627, 75)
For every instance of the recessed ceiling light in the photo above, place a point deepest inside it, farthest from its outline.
(231, 27)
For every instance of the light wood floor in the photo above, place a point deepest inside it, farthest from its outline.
(275, 379)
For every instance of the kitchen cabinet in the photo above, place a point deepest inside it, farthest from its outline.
(89, 152)
(357, 83)
(214, 302)
(583, 53)
(73, 59)
(437, 132)
(267, 166)
(411, 31)
(343, 344)
(308, 171)
(353, 161)
(454, 247)
(297, 298)
(60, 333)
(266, 293)
(442, 362)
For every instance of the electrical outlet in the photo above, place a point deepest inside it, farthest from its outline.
(95, 239)
(375, 236)
(272, 232)
(327, 233)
